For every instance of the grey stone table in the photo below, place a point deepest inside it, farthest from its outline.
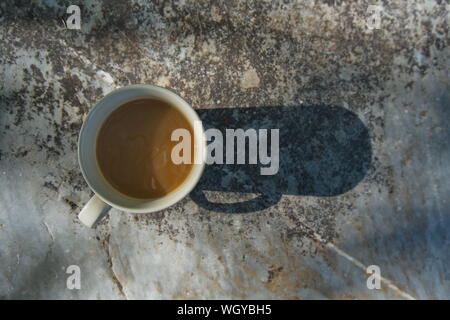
(330, 73)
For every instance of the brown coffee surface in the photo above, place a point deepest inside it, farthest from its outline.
(134, 148)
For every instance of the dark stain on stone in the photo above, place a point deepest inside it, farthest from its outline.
(273, 272)
(76, 180)
(409, 85)
(75, 127)
(51, 186)
(72, 204)
(19, 101)
(71, 85)
(21, 153)
(37, 74)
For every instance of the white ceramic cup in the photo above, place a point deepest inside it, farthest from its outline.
(105, 195)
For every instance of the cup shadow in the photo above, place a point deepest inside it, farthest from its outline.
(324, 151)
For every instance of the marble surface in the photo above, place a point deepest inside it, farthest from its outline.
(320, 63)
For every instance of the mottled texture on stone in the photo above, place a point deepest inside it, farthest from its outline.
(229, 58)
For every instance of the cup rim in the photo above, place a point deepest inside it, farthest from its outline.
(155, 208)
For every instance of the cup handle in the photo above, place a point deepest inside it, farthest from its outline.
(93, 211)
